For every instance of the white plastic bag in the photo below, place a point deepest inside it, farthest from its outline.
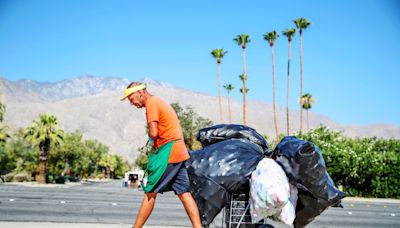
(269, 191)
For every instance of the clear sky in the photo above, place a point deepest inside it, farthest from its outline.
(351, 51)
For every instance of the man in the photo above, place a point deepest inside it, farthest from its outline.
(165, 169)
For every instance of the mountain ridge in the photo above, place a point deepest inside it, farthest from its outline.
(91, 105)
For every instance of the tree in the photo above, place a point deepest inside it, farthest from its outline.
(301, 24)
(95, 150)
(2, 111)
(67, 158)
(3, 134)
(191, 123)
(18, 156)
(219, 54)
(108, 163)
(42, 132)
(242, 40)
(289, 33)
(307, 101)
(229, 88)
(271, 37)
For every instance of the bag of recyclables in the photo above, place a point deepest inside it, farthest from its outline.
(270, 193)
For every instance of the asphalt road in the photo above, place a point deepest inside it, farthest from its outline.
(110, 203)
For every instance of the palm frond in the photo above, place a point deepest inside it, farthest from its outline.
(229, 87)
(241, 90)
(242, 39)
(271, 37)
(243, 77)
(289, 33)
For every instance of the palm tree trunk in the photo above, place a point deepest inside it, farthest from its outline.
(41, 179)
(308, 123)
(273, 92)
(219, 92)
(244, 85)
(44, 151)
(301, 81)
(288, 92)
(229, 108)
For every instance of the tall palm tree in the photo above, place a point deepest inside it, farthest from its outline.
(307, 101)
(229, 88)
(242, 40)
(219, 54)
(271, 37)
(2, 111)
(42, 132)
(289, 33)
(301, 24)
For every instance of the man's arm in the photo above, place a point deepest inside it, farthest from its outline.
(153, 130)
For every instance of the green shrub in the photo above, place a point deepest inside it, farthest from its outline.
(363, 166)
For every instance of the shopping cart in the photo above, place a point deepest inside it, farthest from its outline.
(237, 213)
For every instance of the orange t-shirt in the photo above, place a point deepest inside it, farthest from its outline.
(169, 128)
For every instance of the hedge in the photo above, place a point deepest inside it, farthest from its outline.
(367, 167)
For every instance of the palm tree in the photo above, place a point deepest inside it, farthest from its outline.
(229, 88)
(2, 111)
(289, 33)
(243, 78)
(219, 54)
(242, 40)
(108, 162)
(42, 132)
(307, 101)
(271, 37)
(301, 24)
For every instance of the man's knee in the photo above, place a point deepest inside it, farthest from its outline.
(151, 195)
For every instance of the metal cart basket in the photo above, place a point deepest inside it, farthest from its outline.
(237, 213)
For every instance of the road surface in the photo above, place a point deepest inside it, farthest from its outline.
(110, 203)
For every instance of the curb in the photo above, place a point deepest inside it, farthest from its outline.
(371, 200)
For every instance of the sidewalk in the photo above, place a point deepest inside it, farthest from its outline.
(68, 225)
(371, 200)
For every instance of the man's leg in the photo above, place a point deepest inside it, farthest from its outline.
(191, 208)
(145, 209)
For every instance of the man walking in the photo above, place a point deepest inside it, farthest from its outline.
(166, 170)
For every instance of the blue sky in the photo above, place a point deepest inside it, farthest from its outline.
(351, 52)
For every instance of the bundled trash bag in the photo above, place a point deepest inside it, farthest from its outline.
(219, 169)
(304, 165)
(221, 132)
(288, 213)
(270, 193)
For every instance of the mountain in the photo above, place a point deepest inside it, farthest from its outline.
(91, 105)
(71, 88)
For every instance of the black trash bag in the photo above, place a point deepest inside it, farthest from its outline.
(304, 165)
(221, 132)
(308, 207)
(204, 189)
(219, 169)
